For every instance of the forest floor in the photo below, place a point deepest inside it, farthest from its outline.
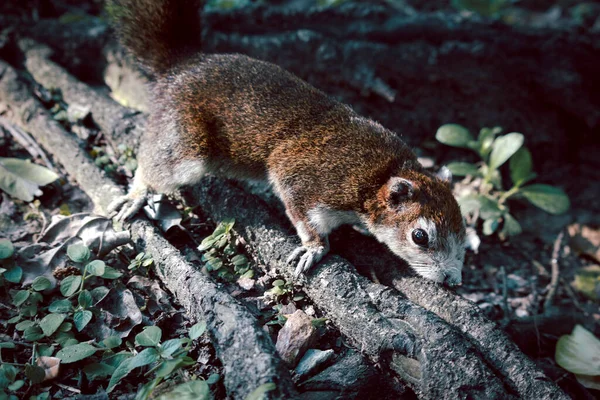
(536, 285)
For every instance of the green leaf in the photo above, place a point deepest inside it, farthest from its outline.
(111, 273)
(167, 367)
(112, 341)
(278, 282)
(146, 390)
(81, 318)
(96, 268)
(65, 327)
(489, 208)
(21, 297)
(463, 169)
(248, 274)
(41, 283)
(60, 306)
(99, 293)
(197, 330)
(21, 326)
(149, 337)
(76, 353)
(34, 373)
(29, 310)
(169, 347)
(120, 372)
(7, 345)
(259, 392)
(490, 226)
(98, 371)
(207, 243)
(239, 260)
(16, 385)
(85, 299)
(213, 378)
(144, 357)
(215, 264)
(511, 226)
(78, 253)
(197, 389)
(549, 198)
(520, 167)
(14, 274)
(485, 140)
(51, 322)
(65, 339)
(504, 147)
(33, 334)
(70, 285)
(6, 249)
(579, 352)
(21, 179)
(453, 135)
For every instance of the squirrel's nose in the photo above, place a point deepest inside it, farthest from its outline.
(453, 279)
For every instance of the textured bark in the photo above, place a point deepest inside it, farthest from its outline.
(245, 350)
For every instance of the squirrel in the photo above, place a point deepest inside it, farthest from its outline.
(238, 117)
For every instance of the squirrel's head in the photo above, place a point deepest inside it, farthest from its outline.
(418, 218)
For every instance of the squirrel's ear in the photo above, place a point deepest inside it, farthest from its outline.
(444, 175)
(399, 190)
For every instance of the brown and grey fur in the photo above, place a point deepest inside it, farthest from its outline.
(238, 117)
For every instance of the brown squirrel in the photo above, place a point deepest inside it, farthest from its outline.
(231, 115)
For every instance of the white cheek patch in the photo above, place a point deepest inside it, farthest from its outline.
(442, 265)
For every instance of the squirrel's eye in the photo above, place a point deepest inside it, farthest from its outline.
(419, 236)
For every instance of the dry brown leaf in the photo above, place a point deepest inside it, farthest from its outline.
(51, 366)
(585, 240)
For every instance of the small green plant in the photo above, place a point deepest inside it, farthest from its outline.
(281, 288)
(221, 254)
(163, 358)
(9, 271)
(141, 261)
(485, 199)
(127, 157)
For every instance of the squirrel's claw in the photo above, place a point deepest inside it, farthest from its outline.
(127, 206)
(309, 256)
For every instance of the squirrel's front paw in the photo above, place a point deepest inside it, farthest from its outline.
(308, 256)
(127, 206)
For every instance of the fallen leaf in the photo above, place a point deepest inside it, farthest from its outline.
(51, 366)
(118, 316)
(22, 179)
(587, 281)
(585, 240)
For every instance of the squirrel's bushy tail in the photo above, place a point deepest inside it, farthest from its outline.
(159, 33)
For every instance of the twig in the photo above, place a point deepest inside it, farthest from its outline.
(25, 140)
(69, 388)
(554, 281)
